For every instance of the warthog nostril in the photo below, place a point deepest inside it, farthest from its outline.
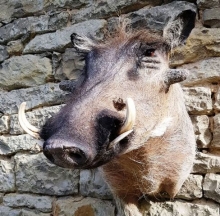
(66, 154)
(76, 155)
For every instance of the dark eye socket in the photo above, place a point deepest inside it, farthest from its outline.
(149, 52)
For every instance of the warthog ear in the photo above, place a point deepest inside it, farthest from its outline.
(177, 30)
(82, 43)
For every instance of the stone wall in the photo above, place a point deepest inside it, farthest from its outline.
(36, 55)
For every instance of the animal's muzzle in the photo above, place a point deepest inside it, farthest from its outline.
(67, 156)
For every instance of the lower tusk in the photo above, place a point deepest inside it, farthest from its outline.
(130, 116)
(28, 128)
(119, 138)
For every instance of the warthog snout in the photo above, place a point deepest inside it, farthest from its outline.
(110, 131)
(67, 155)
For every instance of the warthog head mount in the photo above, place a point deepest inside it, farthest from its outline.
(128, 115)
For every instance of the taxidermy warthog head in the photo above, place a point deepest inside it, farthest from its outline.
(128, 115)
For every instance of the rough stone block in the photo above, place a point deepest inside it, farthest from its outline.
(202, 71)
(206, 163)
(41, 203)
(211, 17)
(13, 144)
(211, 186)
(60, 39)
(3, 53)
(15, 47)
(4, 124)
(216, 132)
(83, 206)
(92, 184)
(22, 26)
(7, 177)
(44, 95)
(192, 188)
(35, 174)
(202, 43)
(217, 101)
(157, 17)
(30, 212)
(182, 208)
(58, 21)
(37, 118)
(24, 71)
(16, 9)
(70, 66)
(103, 9)
(202, 130)
(198, 100)
(6, 211)
(208, 3)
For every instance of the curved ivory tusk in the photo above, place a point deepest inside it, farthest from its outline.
(119, 138)
(128, 125)
(130, 116)
(28, 128)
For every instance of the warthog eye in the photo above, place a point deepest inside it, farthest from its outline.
(150, 52)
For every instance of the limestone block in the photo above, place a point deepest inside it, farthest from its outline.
(37, 118)
(3, 53)
(1, 197)
(92, 184)
(7, 177)
(211, 186)
(198, 100)
(78, 206)
(217, 101)
(18, 8)
(71, 65)
(211, 17)
(103, 9)
(14, 144)
(41, 203)
(15, 47)
(24, 71)
(202, 43)
(191, 189)
(206, 70)
(208, 3)
(206, 163)
(35, 174)
(6, 211)
(58, 21)
(4, 124)
(30, 212)
(202, 131)
(216, 132)
(43, 95)
(157, 17)
(60, 39)
(182, 208)
(22, 26)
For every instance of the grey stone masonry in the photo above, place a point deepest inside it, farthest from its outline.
(7, 176)
(43, 95)
(60, 39)
(41, 203)
(211, 186)
(35, 174)
(24, 71)
(37, 117)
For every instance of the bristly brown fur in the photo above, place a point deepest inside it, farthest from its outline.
(125, 33)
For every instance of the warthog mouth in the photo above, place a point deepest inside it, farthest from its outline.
(73, 156)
